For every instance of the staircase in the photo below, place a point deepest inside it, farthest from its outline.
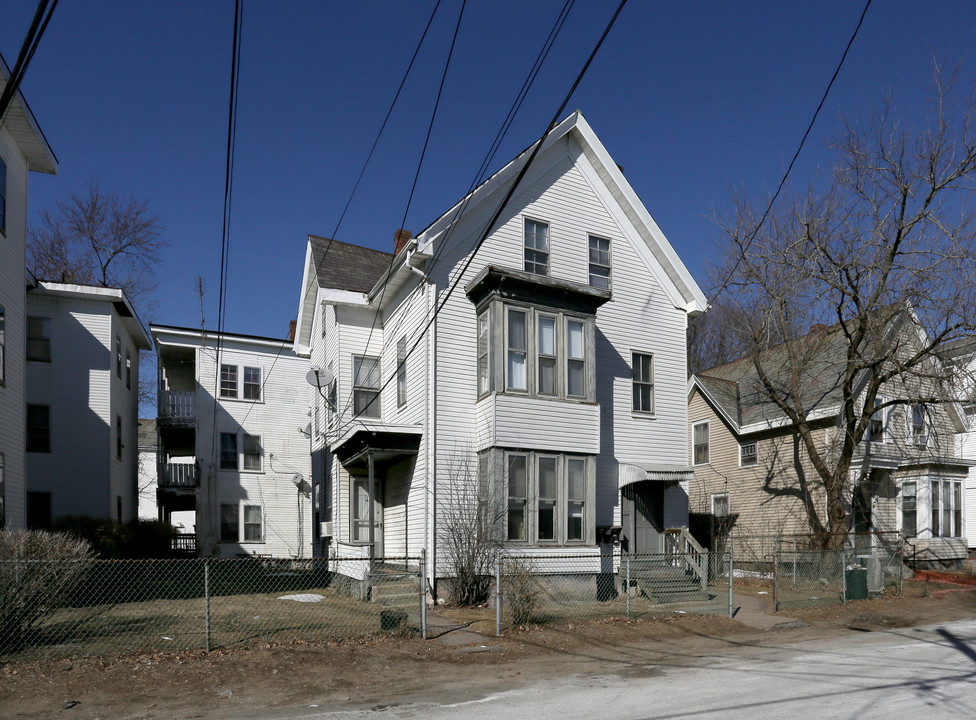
(661, 581)
(394, 588)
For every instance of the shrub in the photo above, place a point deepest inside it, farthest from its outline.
(521, 589)
(135, 540)
(38, 570)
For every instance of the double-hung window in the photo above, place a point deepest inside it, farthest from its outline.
(536, 247)
(946, 508)
(38, 339)
(599, 262)
(576, 496)
(748, 457)
(909, 509)
(228, 381)
(366, 386)
(720, 505)
(252, 453)
(402, 371)
(918, 430)
(547, 498)
(128, 369)
(484, 332)
(118, 437)
(517, 350)
(253, 526)
(643, 382)
(575, 359)
(547, 355)
(517, 495)
(118, 357)
(700, 443)
(877, 425)
(252, 383)
(39, 428)
(228, 451)
(241, 523)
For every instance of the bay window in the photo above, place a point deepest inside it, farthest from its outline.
(517, 350)
(909, 509)
(547, 355)
(548, 497)
(575, 359)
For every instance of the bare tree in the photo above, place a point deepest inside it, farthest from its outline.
(879, 262)
(716, 337)
(102, 239)
(99, 239)
(470, 529)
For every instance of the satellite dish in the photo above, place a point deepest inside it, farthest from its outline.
(317, 377)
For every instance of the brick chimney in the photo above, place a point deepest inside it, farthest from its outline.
(400, 238)
(292, 324)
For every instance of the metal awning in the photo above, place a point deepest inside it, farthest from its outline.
(629, 473)
(384, 443)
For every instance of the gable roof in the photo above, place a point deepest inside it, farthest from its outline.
(23, 128)
(342, 266)
(736, 391)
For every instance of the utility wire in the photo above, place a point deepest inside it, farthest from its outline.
(413, 186)
(42, 16)
(752, 235)
(225, 234)
(489, 156)
(508, 196)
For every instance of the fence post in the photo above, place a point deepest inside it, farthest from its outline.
(627, 588)
(775, 578)
(423, 593)
(731, 609)
(794, 562)
(498, 597)
(206, 595)
(843, 573)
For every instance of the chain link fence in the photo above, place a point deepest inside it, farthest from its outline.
(804, 577)
(539, 589)
(68, 608)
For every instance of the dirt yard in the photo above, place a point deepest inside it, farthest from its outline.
(298, 678)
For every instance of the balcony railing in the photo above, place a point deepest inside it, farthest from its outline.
(176, 406)
(178, 475)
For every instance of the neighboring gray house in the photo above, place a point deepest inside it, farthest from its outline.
(234, 449)
(23, 149)
(83, 346)
(753, 474)
(555, 370)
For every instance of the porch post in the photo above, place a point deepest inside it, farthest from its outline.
(372, 502)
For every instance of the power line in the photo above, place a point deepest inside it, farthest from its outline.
(490, 154)
(782, 183)
(42, 16)
(498, 211)
(416, 177)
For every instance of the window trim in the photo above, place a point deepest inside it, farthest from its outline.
(554, 356)
(45, 446)
(531, 502)
(244, 385)
(526, 219)
(245, 454)
(919, 439)
(728, 503)
(755, 460)
(44, 339)
(228, 384)
(223, 457)
(708, 443)
(590, 264)
(901, 506)
(357, 388)
(401, 371)
(525, 312)
(567, 319)
(634, 382)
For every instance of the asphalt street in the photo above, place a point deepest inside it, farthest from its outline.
(925, 672)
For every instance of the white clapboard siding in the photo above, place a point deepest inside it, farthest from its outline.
(13, 435)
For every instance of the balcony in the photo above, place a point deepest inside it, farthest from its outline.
(176, 407)
(178, 475)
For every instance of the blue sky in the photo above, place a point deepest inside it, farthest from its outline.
(693, 99)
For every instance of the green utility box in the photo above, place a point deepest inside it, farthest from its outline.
(856, 584)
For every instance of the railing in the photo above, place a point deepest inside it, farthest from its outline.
(679, 542)
(178, 475)
(176, 405)
(185, 544)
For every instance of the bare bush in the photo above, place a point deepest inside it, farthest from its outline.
(470, 532)
(38, 571)
(521, 590)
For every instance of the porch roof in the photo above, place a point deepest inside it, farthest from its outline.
(629, 473)
(385, 442)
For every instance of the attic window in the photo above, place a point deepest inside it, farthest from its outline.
(748, 456)
(536, 247)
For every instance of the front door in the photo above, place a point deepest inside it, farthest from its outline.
(643, 514)
(360, 513)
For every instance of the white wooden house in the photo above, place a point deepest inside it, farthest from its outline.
(232, 420)
(555, 368)
(23, 149)
(83, 346)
